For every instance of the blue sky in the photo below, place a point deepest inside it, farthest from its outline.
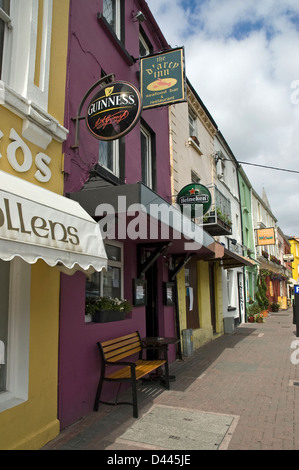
(242, 58)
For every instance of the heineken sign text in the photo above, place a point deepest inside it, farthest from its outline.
(195, 194)
(113, 111)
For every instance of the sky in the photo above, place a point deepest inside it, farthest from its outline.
(242, 58)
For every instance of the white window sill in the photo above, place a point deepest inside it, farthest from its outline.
(192, 143)
(39, 127)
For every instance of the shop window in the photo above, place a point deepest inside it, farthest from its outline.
(113, 12)
(14, 332)
(147, 157)
(108, 283)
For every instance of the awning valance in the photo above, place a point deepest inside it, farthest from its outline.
(36, 223)
(233, 260)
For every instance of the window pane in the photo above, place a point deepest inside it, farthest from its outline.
(109, 12)
(112, 282)
(92, 285)
(144, 163)
(142, 49)
(106, 154)
(5, 5)
(113, 252)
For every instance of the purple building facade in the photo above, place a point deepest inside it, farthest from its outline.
(106, 37)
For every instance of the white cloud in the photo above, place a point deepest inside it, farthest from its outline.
(245, 77)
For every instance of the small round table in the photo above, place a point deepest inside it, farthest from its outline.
(160, 343)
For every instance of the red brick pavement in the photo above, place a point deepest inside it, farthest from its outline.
(250, 375)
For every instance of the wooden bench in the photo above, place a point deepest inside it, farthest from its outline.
(113, 352)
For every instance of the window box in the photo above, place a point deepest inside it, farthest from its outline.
(105, 316)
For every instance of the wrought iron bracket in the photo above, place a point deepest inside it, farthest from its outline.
(100, 83)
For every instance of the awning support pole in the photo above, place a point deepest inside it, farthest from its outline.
(180, 266)
(154, 256)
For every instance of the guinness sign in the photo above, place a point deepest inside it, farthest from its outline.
(113, 111)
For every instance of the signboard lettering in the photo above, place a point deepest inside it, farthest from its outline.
(113, 111)
(265, 236)
(14, 219)
(195, 194)
(163, 78)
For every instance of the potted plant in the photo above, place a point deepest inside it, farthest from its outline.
(261, 296)
(107, 309)
(275, 306)
(259, 318)
(252, 311)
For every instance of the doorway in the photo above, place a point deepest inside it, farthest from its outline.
(191, 280)
(152, 324)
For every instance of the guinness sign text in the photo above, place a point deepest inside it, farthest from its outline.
(113, 111)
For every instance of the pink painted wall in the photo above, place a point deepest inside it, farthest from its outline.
(79, 363)
(90, 51)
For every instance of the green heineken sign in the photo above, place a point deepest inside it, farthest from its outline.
(162, 78)
(194, 194)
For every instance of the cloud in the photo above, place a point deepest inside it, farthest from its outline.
(242, 59)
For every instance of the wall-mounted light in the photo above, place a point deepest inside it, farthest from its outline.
(140, 17)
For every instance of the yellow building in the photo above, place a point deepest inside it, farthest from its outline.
(39, 228)
(294, 242)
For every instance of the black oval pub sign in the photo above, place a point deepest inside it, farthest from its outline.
(113, 111)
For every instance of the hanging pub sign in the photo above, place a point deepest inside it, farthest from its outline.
(195, 194)
(265, 236)
(113, 111)
(162, 78)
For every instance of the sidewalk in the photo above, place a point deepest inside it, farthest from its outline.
(238, 392)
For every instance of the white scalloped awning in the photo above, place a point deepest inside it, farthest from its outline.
(38, 224)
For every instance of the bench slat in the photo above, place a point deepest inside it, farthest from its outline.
(121, 353)
(142, 368)
(121, 338)
(124, 344)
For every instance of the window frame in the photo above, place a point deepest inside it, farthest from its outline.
(112, 263)
(115, 157)
(192, 120)
(118, 28)
(144, 41)
(150, 157)
(18, 342)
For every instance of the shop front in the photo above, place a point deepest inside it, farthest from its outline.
(148, 242)
(41, 235)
